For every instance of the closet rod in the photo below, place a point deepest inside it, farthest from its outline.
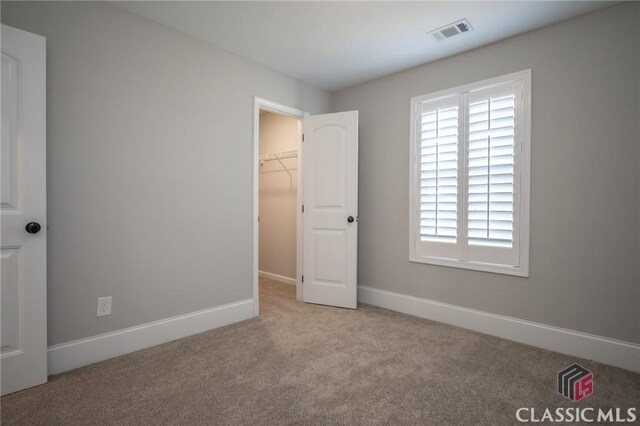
(280, 156)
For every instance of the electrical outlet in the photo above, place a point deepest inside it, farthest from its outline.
(104, 306)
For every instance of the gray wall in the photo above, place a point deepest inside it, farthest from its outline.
(585, 190)
(278, 192)
(149, 165)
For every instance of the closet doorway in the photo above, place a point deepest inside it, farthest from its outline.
(322, 178)
(279, 198)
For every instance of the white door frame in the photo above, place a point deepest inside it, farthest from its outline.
(266, 105)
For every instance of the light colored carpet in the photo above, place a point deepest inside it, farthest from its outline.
(310, 364)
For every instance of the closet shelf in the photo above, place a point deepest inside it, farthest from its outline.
(280, 156)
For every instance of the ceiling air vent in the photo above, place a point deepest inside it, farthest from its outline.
(448, 31)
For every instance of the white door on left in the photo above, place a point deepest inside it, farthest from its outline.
(23, 267)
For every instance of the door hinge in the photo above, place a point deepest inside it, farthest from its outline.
(303, 208)
(303, 137)
(303, 278)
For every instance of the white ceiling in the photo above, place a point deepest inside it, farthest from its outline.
(334, 45)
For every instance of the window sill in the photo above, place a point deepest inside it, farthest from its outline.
(520, 271)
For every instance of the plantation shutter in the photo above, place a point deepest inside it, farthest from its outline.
(438, 170)
(491, 174)
(470, 176)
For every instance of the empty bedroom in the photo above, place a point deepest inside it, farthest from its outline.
(320, 212)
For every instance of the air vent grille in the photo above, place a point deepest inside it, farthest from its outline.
(462, 27)
(451, 30)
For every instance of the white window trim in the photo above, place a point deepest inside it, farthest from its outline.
(523, 160)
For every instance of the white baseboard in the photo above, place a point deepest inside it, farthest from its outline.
(597, 348)
(276, 277)
(78, 353)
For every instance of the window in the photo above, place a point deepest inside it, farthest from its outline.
(470, 176)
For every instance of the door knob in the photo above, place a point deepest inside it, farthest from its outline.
(33, 227)
(350, 219)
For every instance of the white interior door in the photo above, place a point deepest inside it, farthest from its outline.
(23, 353)
(330, 193)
